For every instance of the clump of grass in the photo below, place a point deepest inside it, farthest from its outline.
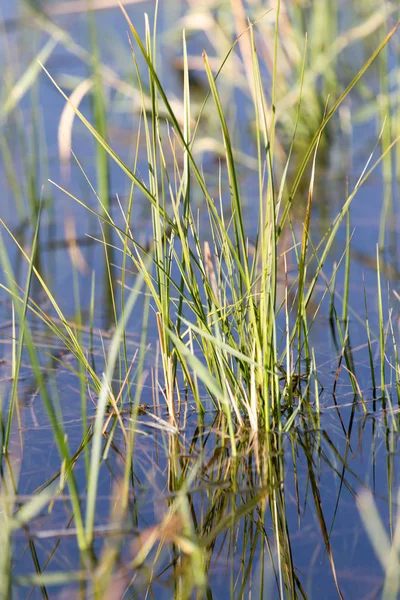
(220, 318)
(227, 324)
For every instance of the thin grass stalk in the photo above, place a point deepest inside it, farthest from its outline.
(12, 177)
(317, 399)
(178, 130)
(99, 108)
(301, 321)
(69, 335)
(82, 378)
(339, 218)
(328, 117)
(260, 344)
(20, 345)
(396, 356)
(370, 353)
(123, 269)
(381, 326)
(56, 425)
(385, 117)
(186, 176)
(267, 242)
(347, 271)
(241, 245)
(95, 459)
(332, 294)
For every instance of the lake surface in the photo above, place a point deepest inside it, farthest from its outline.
(301, 488)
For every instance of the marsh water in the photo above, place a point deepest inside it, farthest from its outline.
(319, 473)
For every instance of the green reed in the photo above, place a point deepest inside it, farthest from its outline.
(231, 337)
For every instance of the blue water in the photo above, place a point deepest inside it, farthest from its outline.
(368, 458)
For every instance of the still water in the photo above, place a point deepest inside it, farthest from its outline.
(315, 474)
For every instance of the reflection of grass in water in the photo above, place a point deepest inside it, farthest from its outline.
(216, 515)
(225, 336)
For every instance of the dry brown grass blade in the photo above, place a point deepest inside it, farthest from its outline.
(210, 272)
(79, 6)
(244, 41)
(65, 126)
(77, 258)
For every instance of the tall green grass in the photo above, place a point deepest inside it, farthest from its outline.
(232, 337)
(220, 317)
